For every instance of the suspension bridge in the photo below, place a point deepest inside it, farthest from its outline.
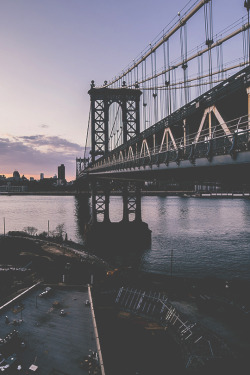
(175, 111)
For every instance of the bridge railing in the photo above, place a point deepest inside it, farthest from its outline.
(195, 340)
(223, 139)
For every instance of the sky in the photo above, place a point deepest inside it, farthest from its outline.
(50, 52)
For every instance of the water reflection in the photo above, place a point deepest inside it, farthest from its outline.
(82, 215)
(209, 237)
(119, 256)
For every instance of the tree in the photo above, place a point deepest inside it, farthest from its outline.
(43, 234)
(30, 230)
(58, 232)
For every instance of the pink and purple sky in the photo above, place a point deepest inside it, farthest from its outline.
(51, 50)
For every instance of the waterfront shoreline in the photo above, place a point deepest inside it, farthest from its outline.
(70, 249)
(160, 193)
(224, 298)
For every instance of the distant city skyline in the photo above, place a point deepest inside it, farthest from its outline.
(38, 176)
(51, 50)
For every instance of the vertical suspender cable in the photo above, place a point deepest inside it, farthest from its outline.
(169, 80)
(247, 6)
(165, 99)
(244, 46)
(202, 87)
(183, 42)
(152, 83)
(199, 77)
(143, 97)
(182, 59)
(186, 65)
(134, 74)
(155, 91)
(119, 121)
(145, 103)
(85, 149)
(218, 59)
(209, 36)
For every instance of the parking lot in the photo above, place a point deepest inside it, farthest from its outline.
(56, 343)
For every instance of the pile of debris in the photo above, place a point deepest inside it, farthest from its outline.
(91, 364)
(8, 346)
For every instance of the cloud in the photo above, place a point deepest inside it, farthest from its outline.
(31, 155)
(44, 126)
(51, 142)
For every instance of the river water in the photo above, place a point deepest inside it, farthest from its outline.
(208, 237)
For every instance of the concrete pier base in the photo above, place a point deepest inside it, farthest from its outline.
(121, 235)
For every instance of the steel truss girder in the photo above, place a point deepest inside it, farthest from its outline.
(81, 164)
(210, 98)
(207, 106)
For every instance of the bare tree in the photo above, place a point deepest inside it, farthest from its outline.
(30, 230)
(58, 232)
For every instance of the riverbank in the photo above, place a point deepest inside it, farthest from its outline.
(220, 306)
(24, 260)
(149, 193)
(44, 193)
(86, 193)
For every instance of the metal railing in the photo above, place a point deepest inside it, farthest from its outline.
(200, 344)
(210, 142)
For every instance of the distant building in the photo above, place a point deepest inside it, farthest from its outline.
(13, 189)
(24, 179)
(16, 175)
(32, 179)
(41, 176)
(61, 172)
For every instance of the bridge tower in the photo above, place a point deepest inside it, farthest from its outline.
(101, 99)
(127, 231)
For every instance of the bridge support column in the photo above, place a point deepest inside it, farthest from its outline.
(100, 202)
(126, 234)
(93, 201)
(210, 123)
(131, 196)
(138, 217)
(106, 201)
(185, 133)
(125, 216)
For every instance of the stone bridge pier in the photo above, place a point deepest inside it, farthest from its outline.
(129, 233)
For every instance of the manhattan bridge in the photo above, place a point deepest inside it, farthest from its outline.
(177, 111)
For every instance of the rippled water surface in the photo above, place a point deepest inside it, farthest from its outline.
(208, 237)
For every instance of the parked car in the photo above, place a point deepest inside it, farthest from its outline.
(45, 292)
